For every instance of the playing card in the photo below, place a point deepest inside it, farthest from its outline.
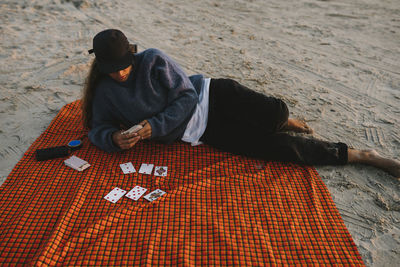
(154, 195)
(136, 192)
(127, 168)
(115, 195)
(146, 168)
(133, 129)
(160, 171)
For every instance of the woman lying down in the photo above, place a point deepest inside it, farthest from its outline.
(125, 88)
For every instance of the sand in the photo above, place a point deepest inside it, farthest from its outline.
(336, 64)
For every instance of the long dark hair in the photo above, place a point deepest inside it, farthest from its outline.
(91, 82)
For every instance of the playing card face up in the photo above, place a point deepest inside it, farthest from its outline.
(136, 192)
(127, 168)
(146, 168)
(154, 195)
(115, 195)
(160, 171)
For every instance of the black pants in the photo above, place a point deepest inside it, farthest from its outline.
(245, 122)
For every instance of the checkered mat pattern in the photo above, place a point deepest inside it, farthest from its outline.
(219, 209)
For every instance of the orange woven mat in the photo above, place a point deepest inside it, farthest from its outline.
(219, 209)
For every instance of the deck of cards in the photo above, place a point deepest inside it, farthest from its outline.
(76, 163)
(136, 192)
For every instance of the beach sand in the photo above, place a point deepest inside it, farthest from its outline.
(335, 63)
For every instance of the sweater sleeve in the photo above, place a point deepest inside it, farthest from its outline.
(103, 126)
(182, 97)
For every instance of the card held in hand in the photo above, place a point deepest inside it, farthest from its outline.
(154, 195)
(136, 192)
(115, 194)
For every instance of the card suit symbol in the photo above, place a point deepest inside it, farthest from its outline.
(160, 171)
(155, 195)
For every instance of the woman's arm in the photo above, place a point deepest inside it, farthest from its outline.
(182, 97)
(104, 125)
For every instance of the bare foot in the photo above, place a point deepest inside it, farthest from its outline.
(298, 126)
(371, 157)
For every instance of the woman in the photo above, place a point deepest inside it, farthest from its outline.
(125, 88)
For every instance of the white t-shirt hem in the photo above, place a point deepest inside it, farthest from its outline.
(198, 123)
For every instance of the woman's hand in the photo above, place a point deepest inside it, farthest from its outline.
(145, 132)
(127, 141)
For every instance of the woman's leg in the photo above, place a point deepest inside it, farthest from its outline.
(245, 122)
(279, 146)
(238, 102)
(234, 134)
(296, 149)
(371, 157)
(229, 100)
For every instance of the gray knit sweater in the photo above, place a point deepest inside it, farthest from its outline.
(157, 90)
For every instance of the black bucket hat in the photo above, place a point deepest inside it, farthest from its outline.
(111, 48)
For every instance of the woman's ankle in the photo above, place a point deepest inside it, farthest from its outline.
(362, 156)
(372, 157)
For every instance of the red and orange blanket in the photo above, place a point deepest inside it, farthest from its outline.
(219, 209)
